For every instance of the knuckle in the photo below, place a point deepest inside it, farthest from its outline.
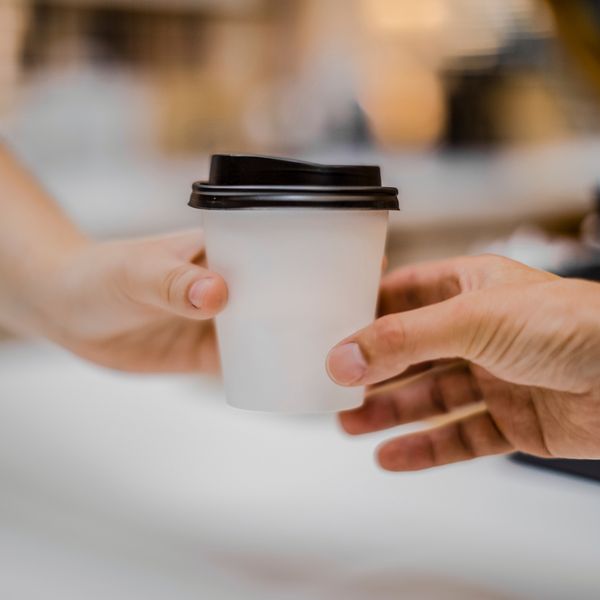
(466, 440)
(389, 335)
(482, 330)
(477, 271)
(473, 323)
(173, 285)
(489, 267)
(489, 259)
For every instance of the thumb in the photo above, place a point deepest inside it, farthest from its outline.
(176, 286)
(394, 342)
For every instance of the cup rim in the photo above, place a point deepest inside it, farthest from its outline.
(239, 197)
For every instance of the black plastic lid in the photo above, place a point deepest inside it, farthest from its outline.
(245, 182)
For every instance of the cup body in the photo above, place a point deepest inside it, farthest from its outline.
(300, 280)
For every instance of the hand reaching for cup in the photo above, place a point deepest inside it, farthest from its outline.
(530, 348)
(136, 305)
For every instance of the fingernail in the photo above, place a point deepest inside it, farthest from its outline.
(346, 363)
(198, 291)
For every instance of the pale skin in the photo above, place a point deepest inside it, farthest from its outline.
(136, 305)
(531, 340)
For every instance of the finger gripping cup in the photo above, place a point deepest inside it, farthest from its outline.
(300, 246)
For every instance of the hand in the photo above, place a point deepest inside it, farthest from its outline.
(140, 305)
(532, 345)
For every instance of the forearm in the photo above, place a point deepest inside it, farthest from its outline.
(36, 238)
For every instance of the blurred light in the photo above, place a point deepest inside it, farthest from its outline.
(406, 15)
(406, 109)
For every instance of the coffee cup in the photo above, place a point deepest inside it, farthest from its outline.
(300, 246)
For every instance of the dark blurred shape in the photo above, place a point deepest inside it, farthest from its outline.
(578, 23)
(470, 120)
(589, 469)
(477, 88)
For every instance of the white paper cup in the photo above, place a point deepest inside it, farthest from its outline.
(300, 280)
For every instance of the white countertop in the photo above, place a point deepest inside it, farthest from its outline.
(126, 487)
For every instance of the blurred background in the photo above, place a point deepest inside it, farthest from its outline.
(486, 115)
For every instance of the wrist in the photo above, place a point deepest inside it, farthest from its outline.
(38, 294)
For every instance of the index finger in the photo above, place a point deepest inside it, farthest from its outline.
(428, 283)
(419, 285)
